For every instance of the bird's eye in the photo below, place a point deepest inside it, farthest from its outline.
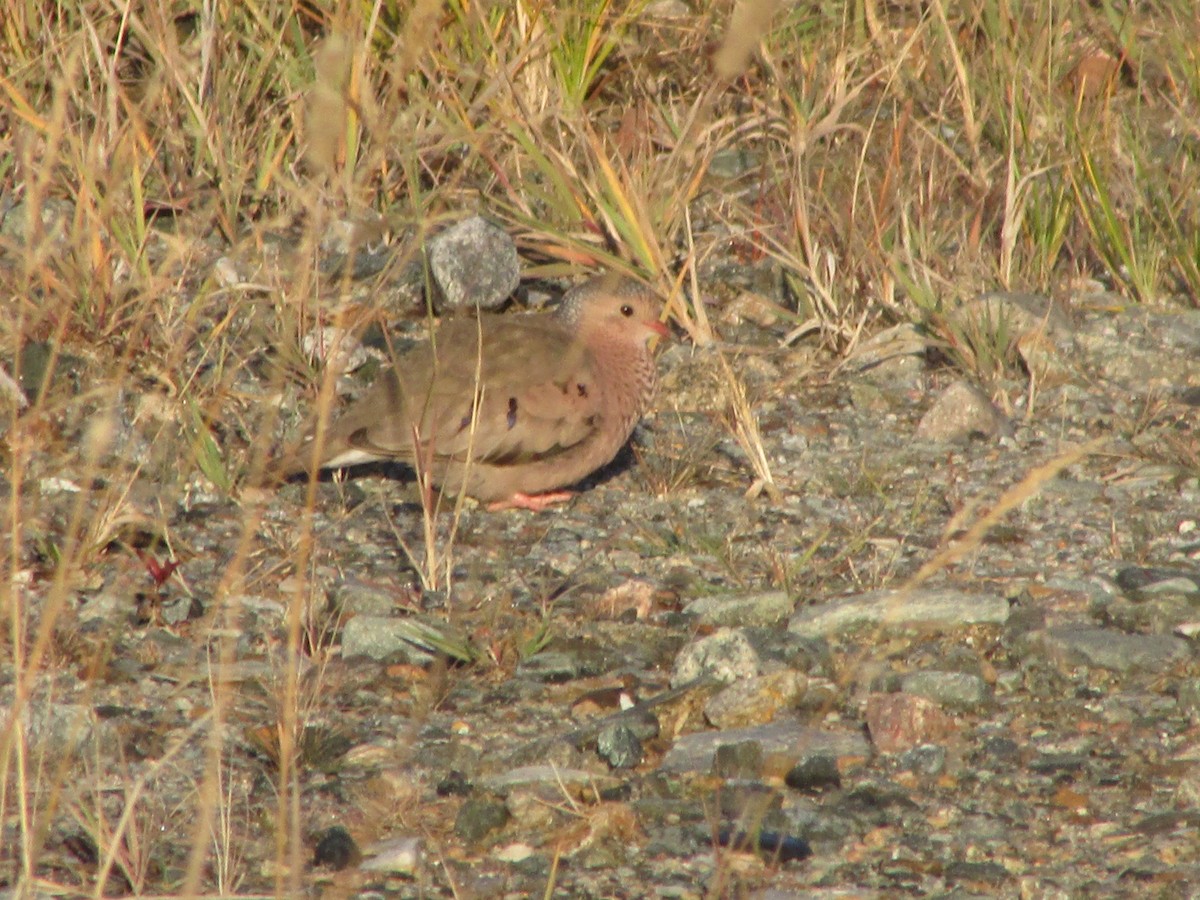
(627, 310)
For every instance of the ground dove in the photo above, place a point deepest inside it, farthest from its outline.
(509, 408)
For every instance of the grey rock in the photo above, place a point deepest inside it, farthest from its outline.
(357, 597)
(1142, 582)
(398, 856)
(900, 610)
(536, 808)
(618, 746)
(779, 647)
(895, 357)
(56, 727)
(385, 638)
(741, 760)
(113, 603)
(1163, 613)
(728, 655)
(769, 608)
(571, 780)
(755, 700)
(359, 242)
(927, 759)
(866, 395)
(954, 690)
(962, 411)
(478, 817)
(54, 220)
(474, 264)
(568, 659)
(553, 751)
(786, 735)
(814, 773)
(1104, 648)
(1142, 350)
(179, 609)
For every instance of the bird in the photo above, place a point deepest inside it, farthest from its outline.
(510, 409)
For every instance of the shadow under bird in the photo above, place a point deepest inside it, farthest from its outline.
(509, 409)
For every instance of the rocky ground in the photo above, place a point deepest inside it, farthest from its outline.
(950, 652)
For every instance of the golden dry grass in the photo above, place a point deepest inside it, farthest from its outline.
(170, 176)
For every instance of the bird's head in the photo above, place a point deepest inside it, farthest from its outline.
(614, 305)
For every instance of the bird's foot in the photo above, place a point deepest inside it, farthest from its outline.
(535, 502)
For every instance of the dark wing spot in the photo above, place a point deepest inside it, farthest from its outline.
(464, 423)
(512, 412)
(582, 390)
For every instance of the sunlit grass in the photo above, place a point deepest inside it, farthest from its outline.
(881, 162)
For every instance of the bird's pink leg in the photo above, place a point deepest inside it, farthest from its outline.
(535, 502)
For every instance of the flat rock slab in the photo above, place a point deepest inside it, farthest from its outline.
(696, 752)
(904, 610)
(1104, 648)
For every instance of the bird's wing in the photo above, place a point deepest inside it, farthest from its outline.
(527, 394)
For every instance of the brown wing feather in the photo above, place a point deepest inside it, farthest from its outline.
(539, 396)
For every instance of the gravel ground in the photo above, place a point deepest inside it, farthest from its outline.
(954, 655)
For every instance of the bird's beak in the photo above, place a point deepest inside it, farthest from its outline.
(660, 329)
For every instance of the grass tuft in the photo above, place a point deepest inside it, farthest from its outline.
(172, 181)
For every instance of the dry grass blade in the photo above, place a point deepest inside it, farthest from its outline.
(1028, 487)
(176, 182)
(744, 424)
